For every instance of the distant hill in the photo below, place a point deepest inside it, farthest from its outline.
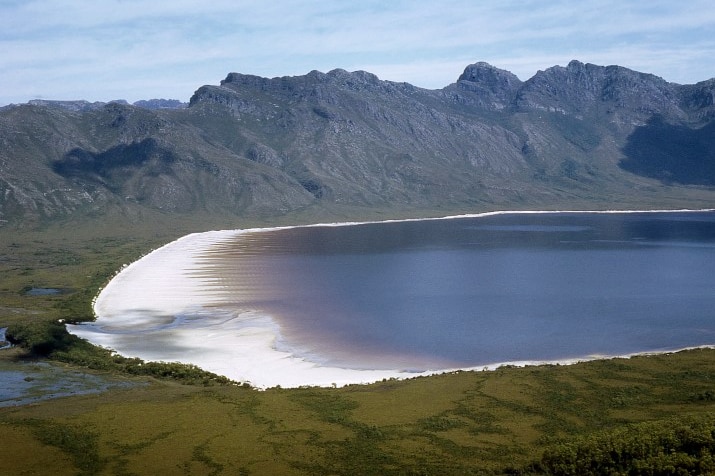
(82, 105)
(582, 136)
(161, 104)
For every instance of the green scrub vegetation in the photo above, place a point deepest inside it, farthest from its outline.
(644, 415)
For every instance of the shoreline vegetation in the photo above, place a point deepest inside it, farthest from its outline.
(650, 414)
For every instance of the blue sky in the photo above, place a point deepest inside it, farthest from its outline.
(101, 50)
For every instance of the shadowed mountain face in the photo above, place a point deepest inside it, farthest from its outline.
(121, 160)
(672, 153)
(580, 135)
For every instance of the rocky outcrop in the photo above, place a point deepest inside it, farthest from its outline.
(492, 88)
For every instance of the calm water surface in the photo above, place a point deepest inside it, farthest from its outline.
(473, 291)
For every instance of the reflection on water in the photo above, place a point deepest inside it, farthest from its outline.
(473, 291)
(42, 291)
(24, 383)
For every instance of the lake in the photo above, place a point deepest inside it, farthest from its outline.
(466, 292)
(329, 304)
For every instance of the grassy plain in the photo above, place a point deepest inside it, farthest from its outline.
(463, 423)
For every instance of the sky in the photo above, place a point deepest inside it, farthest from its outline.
(102, 50)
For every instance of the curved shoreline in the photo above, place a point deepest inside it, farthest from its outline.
(186, 322)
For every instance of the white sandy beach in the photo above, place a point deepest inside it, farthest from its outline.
(162, 308)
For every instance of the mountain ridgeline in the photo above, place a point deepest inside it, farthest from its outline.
(580, 136)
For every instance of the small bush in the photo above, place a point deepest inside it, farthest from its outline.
(40, 338)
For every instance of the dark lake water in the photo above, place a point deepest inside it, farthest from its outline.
(468, 292)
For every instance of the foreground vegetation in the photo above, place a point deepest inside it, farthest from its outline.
(645, 415)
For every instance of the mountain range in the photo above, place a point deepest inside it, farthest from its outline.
(579, 136)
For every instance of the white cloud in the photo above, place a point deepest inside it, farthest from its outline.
(137, 49)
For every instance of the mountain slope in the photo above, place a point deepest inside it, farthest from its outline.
(581, 135)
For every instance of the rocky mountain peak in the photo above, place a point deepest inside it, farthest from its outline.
(583, 88)
(355, 76)
(335, 76)
(489, 86)
(240, 79)
(237, 91)
(489, 76)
